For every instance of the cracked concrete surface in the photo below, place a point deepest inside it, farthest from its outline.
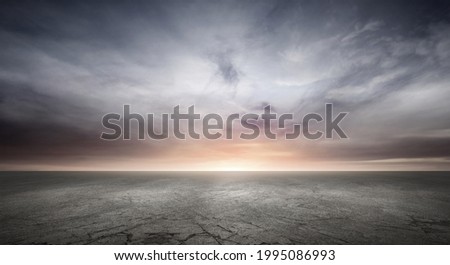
(225, 208)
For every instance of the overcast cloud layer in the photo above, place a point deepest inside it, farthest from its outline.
(63, 65)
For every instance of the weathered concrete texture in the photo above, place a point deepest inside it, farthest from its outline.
(225, 208)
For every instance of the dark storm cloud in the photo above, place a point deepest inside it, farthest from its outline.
(53, 129)
(63, 64)
(226, 68)
(19, 97)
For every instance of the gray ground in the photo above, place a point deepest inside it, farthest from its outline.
(225, 208)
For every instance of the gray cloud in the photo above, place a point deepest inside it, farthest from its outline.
(64, 64)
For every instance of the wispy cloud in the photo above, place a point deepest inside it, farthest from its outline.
(64, 65)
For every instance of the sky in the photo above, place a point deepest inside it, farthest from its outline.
(65, 64)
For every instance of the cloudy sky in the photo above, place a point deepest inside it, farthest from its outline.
(63, 65)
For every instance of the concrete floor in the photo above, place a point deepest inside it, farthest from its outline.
(225, 208)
